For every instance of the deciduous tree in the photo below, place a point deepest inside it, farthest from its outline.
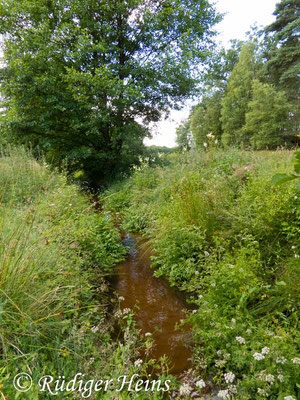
(79, 74)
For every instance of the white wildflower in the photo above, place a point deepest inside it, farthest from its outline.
(240, 339)
(200, 296)
(249, 331)
(148, 334)
(196, 272)
(289, 398)
(269, 378)
(121, 298)
(118, 314)
(262, 391)
(265, 350)
(232, 389)
(258, 356)
(200, 384)
(194, 311)
(126, 311)
(185, 389)
(219, 352)
(205, 144)
(281, 360)
(227, 356)
(213, 284)
(280, 378)
(138, 362)
(233, 320)
(95, 329)
(224, 394)
(229, 377)
(296, 360)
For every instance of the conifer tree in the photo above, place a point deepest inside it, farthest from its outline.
(237, 97)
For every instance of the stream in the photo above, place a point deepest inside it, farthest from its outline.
(160, 307)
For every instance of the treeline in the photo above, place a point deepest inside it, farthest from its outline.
(251, 91)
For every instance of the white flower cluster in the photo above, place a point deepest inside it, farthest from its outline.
(265, 350)
(224, 394)
(185, 389)
(262, 392)
(200, 384)
(266, 378)
(289, 398)
(281, 360)
(296, 360)
(229, 377)
(258, 356)
(280, 378)
(138, 362)
(240, 339)
(95, 329)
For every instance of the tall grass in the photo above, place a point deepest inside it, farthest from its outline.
(55, 252)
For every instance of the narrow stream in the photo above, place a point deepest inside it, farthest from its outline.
(160, 306)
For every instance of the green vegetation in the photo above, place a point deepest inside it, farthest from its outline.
(79, 74)
(55, 255)
(81, 80)
(250, 92)
(224, 234)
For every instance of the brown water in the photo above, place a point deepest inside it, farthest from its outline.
(160, 307)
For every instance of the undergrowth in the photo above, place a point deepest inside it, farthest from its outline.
(222, 232)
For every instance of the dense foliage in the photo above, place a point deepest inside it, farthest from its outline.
(260, 78)
(79, 74)
(223, 233)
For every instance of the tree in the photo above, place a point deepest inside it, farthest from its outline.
(79, 74)
(266, 116)
(219, 67)
(206, 119)
(284, 58)
(237, 96)
(183, 136)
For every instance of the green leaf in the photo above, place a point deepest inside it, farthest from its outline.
(280, 283)
(281, 178)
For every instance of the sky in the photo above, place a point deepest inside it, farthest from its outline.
(240, 16)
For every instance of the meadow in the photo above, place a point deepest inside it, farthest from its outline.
(221, 232)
